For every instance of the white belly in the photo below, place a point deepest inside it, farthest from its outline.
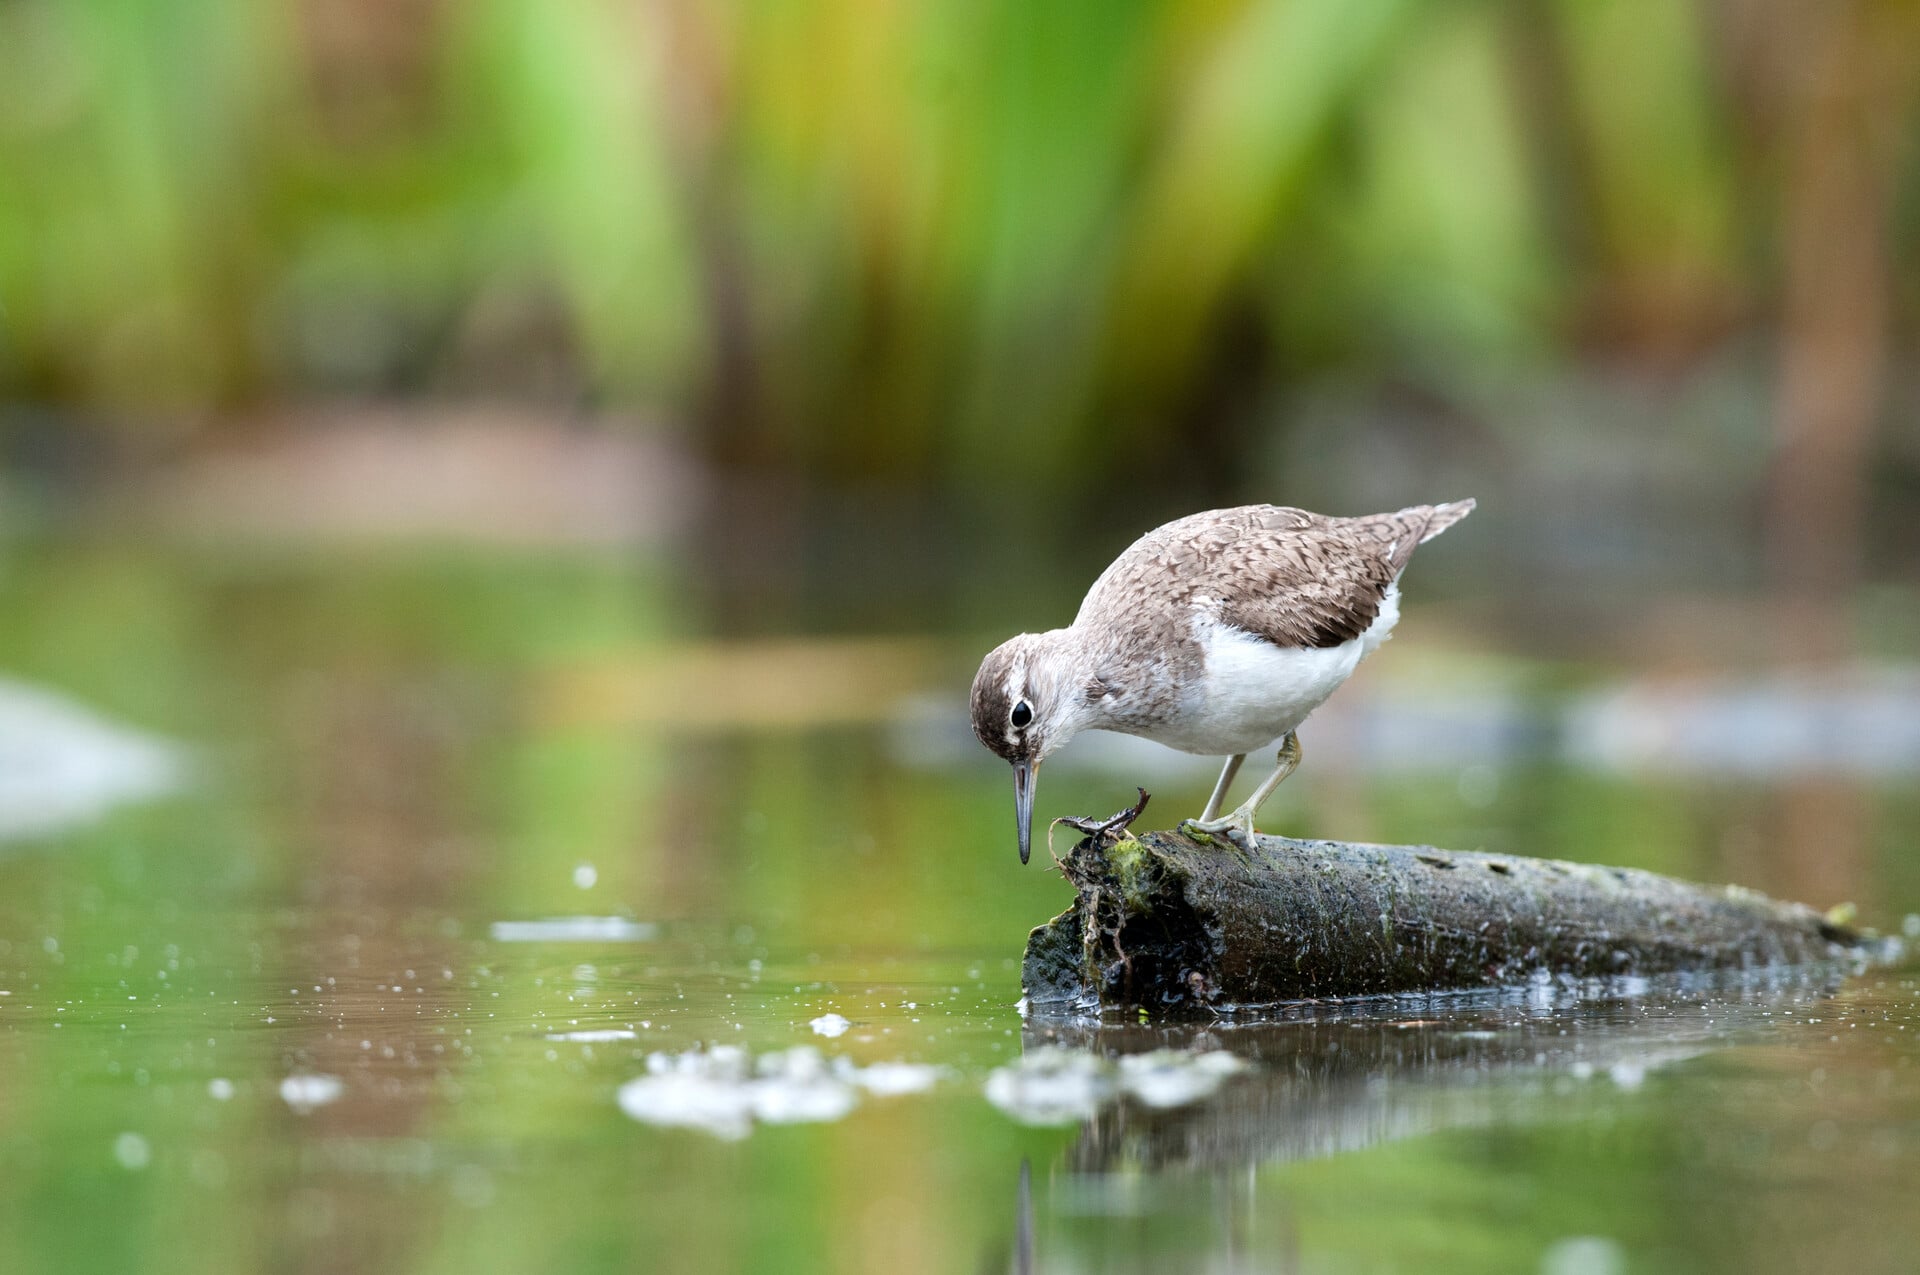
(1255, 692)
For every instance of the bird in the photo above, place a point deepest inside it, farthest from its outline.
(1215, 634)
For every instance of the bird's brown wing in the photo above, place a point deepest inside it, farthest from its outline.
(1294, 578)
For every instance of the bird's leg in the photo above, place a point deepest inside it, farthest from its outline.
(1241, 820)
(1227, 772)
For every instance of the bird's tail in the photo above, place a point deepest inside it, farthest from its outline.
(1440, 517)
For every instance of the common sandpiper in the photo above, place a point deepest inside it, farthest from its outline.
(1216, 634)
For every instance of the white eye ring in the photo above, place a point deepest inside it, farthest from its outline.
(1022, 715)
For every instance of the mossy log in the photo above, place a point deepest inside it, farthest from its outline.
(1167, 923)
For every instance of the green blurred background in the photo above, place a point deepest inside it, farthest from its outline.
(497, 458)
(981, 248)
(592, 327)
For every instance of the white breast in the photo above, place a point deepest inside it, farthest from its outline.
(1254, 692)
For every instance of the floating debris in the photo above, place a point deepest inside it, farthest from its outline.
(132, 1151)
(795, 1087)
(890, 1079)
(723, 1092)
(573, 929)
(830, 1025)
(1584, 1255)
(594, 1036)
(698, 1090)
(306, 1091)
(220, 1089)
(1628, 1075)
(1052, 1085)
(1173, 1078)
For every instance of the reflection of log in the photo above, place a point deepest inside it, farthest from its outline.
(1165, 923)
(1328, 1079)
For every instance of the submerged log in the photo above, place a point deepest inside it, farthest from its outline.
(1169, 923)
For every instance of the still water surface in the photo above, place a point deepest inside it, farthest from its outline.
(429, 944)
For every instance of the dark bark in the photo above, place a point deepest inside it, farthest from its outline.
(1167, 923)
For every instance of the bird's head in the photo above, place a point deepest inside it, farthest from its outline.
(1027, 701)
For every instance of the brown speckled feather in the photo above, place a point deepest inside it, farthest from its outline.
(1293, 578)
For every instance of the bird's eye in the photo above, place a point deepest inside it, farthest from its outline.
(1021, 715)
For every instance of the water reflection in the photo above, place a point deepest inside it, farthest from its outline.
(434, 851)
(373, 1049)
(1323, 1080)
(1826, 1066)
(375, 1003)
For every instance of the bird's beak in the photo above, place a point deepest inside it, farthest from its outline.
(1024, 773)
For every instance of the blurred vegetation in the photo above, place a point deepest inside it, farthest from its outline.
(960, 243)
(930, 238)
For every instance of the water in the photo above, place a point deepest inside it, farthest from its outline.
(442, 949)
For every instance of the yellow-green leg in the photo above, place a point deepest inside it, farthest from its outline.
(1227, 772)
(1240, 821)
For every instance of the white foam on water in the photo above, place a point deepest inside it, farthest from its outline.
(595, 1036)
(1170, 1078)
(306, 1091)
(830, 1025)
(890, 1079)
(1052, 1085)
(723, 1092)
(1628, 1075)
(691, 1102)
(573, 929)
(1584, 1255)
(132, 1151)
(795, 1086)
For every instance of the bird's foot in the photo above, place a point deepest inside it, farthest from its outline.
(1237, 828)
(1188, 829)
